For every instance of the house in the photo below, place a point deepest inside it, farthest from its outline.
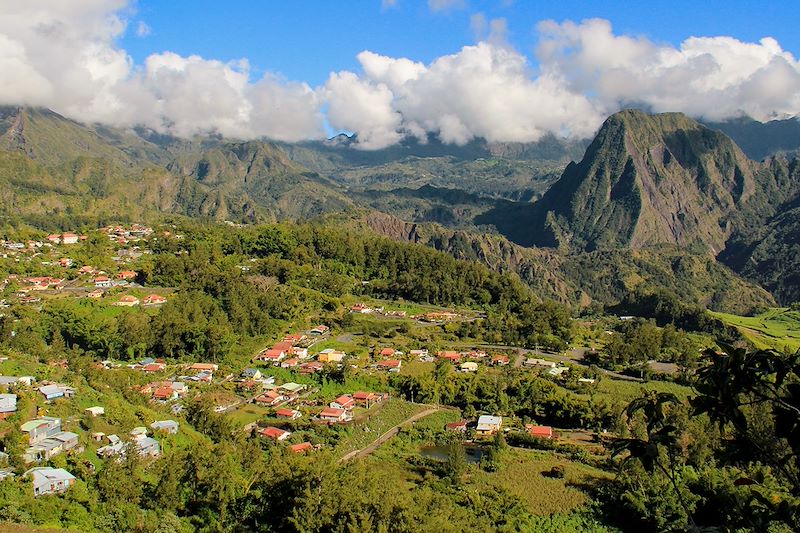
(419, 353)
(86, 269)
(127, 301)
(557, 371)
(8, 405)
(367, 399)
(588, 381)
(390, 364)
(95, 294)
(319, 330)
(274, 433)
(69, 238)
(126, 275)
(453, 357)
(41, 428)
(166, 426)
(148, 447)
(330, 355)
(102, 282)
(343, 402)
(469, 366)
(301, 353)
(48, 480)
(334, 416)
(54, 239)
(291, 414)
(290, 363)
(95, 411)
(269, 398)
(139, 431)
(204, 367)
(500, 360)
(460, 427)
(271, 355)
(51, 392)
(292, 388)
(65, 262)
(205, 377)
(311, 367)
(387, 352)
(542, 432)
(153, 299)
(251, 373)
(164, 394)
(361, 308)
(488, 425)
(284, 346)
(303, 447)
(532, 361)
(153, 367)
(294, 338)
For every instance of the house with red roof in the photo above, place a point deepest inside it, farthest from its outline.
(271, 355)
(367, 398)
(343, 402)
(453, 357)
(102, 282)
(500, 360)
(319, 330)
(269, 398)
(274, 433)
(126, 275)
(542, 432)
(335, 416)
(291, 414)
(303, 447)
(127, 301)
(387, 352)
(154, 299)
(390, 364)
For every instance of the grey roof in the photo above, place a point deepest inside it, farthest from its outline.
(160, 424)
(45, 474)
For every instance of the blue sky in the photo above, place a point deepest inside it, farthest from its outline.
(306, 40)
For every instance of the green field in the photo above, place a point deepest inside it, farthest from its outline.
(777, 328)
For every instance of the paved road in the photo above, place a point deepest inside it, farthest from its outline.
(388, 435)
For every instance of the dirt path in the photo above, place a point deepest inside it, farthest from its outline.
(388, 435)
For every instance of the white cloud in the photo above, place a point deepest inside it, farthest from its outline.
(711, 77)
(142, 29)
(386, 4)
(63, 55)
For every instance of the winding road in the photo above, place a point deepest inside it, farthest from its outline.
(388, 435)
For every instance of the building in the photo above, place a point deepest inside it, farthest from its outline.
(269, 398)
(251, 373)
(69, 238)
(95, 411)
(126, 275)
(453, 357)
(387, 352)
(319, 330)
(48, 480)
(532, 361)
(459, 427)
(204, 367)
(542, 432)
(102, 282)
(303, 447)
(469, 366)
(488, 425)
(390, 364)
(500, 360)
(54, 391)
(291, 414)
(335, 416)
(8, 405)
(166, 426)
(343, 402)
(272, 355)
(46, 439)
(127, 301)
(154, 299)
(367, 399)
(274, 433)
(292, 388)
(330, 355)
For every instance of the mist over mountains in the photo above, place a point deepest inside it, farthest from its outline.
(647, 197)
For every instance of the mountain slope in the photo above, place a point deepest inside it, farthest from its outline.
(53, 166)
(760, 140)
(649, 180)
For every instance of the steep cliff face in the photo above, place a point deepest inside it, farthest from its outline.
(646, 180)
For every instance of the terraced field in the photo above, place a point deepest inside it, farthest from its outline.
(778, 328)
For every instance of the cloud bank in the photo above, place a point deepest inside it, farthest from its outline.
(63, 55)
